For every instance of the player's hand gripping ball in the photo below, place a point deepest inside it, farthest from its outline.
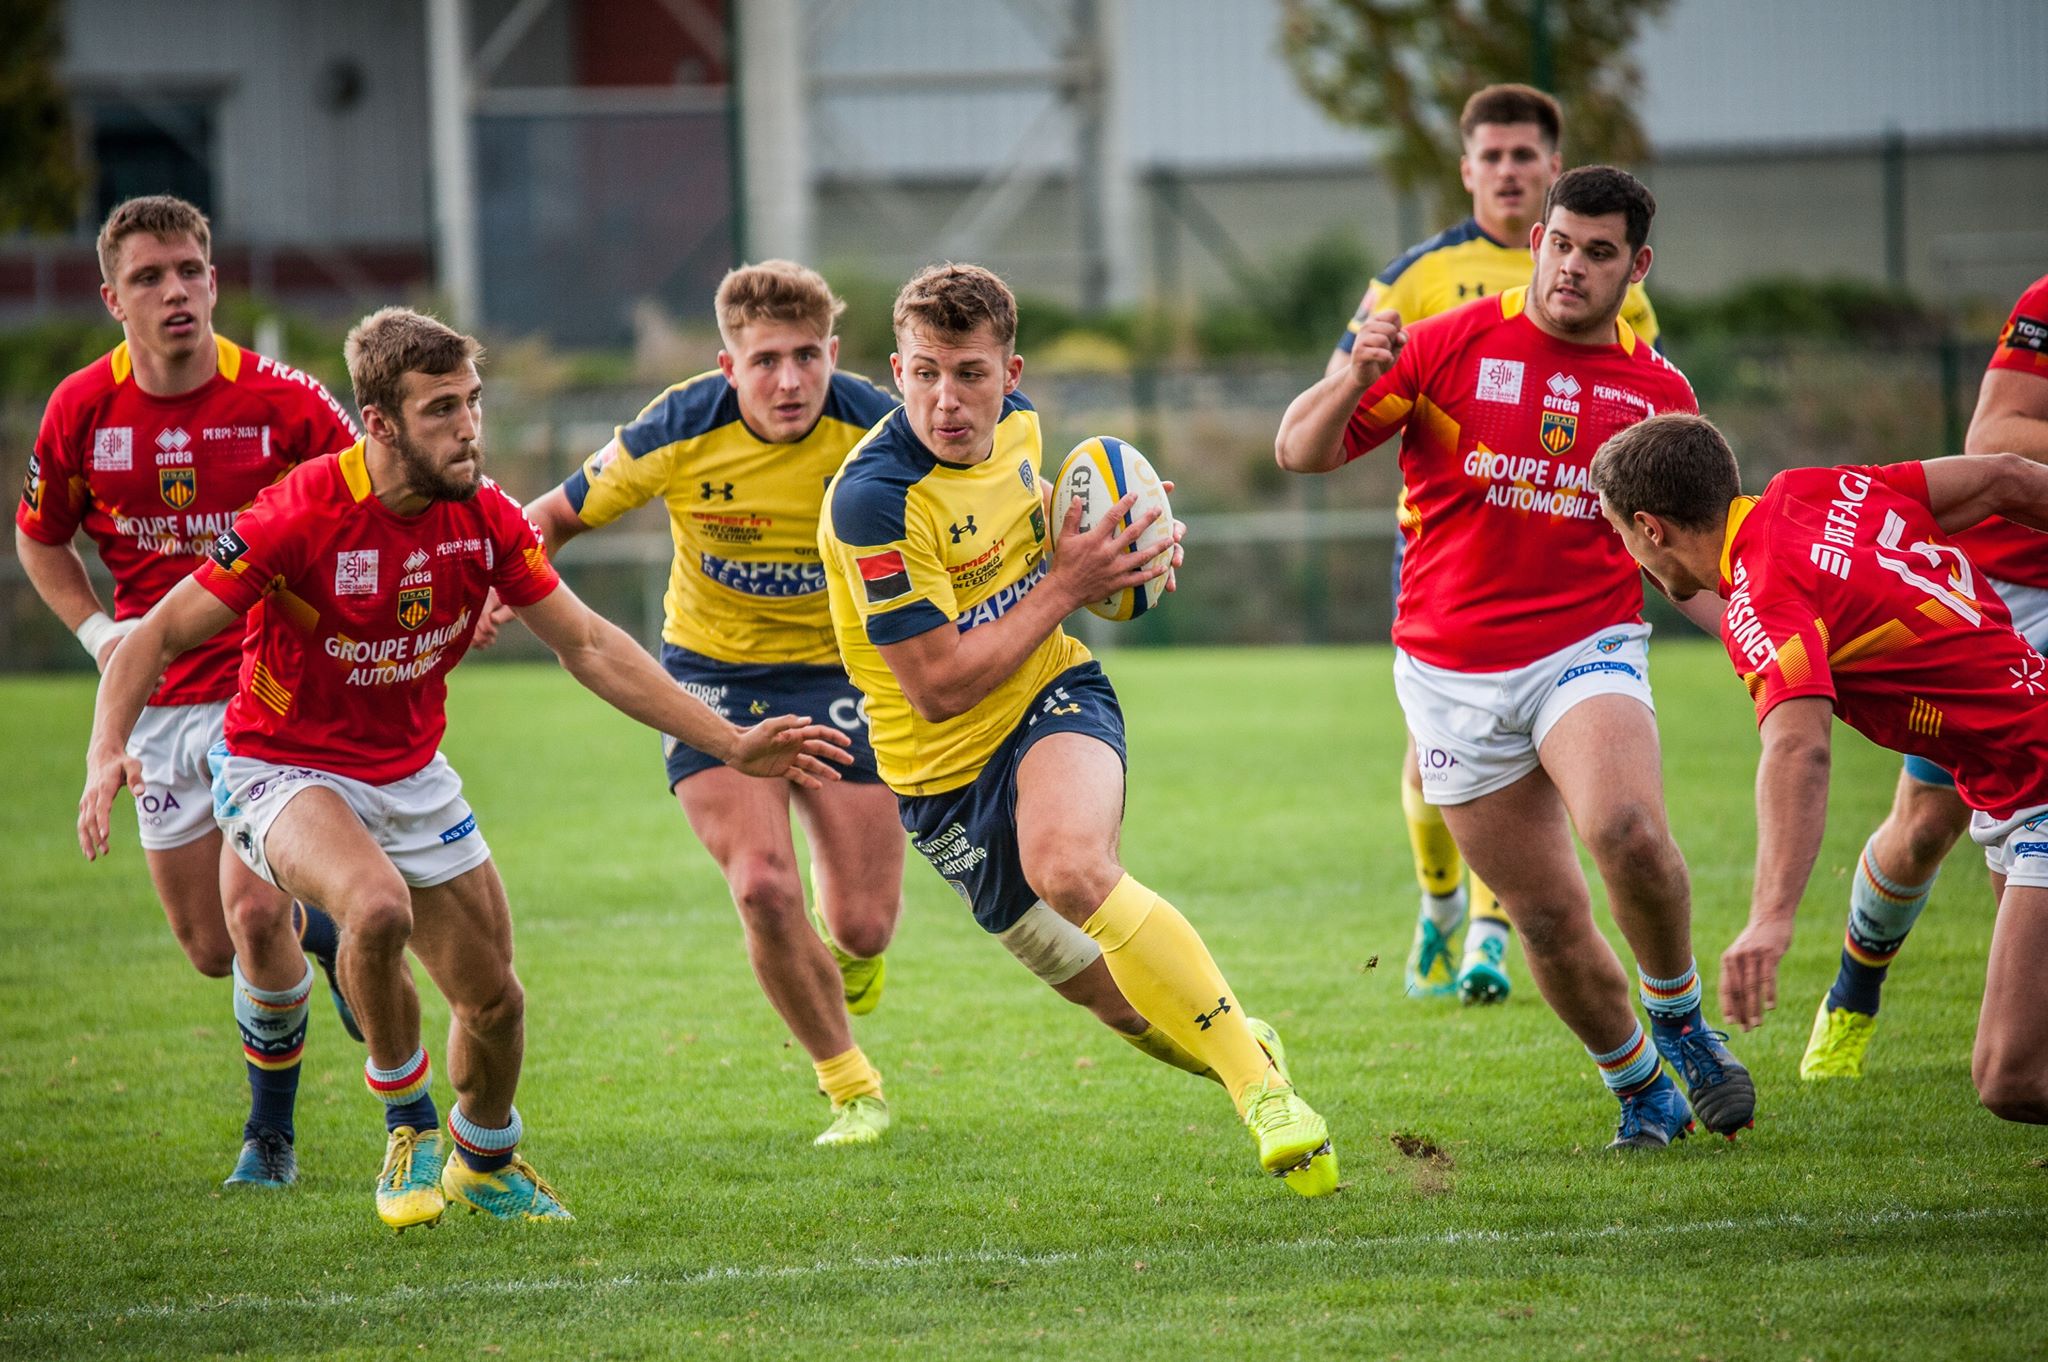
(1099, 472)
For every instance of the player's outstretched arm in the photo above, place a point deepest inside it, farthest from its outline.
(1791, 816)
(181, 621)
(608, 663)
(1311, 435)
(1962, 491)
(2011, 416)
(558, 523)
(945, 672)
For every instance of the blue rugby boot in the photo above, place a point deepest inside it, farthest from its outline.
(1653, 1117)
(267, 1161)
(1720, 1089)
(514, 1192)
(409, 1187)
(1430, 972)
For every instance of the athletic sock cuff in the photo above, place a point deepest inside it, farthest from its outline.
(1885, 884)
(847, 1076)
(402, 1084)
(482, 1139)
(274, 1000)
(1121, 914)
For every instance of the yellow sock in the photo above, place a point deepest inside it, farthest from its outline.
(1438, 867)
(1161, 965)
(845, 1077)
(1156, 1044)
(1486, 904)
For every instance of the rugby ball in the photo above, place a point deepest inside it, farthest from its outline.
(1099, 472)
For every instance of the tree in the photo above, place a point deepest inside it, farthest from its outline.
(39, 177)
(1407, 66)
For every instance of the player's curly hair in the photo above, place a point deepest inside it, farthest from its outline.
(1676, 466)
(775, 291)
(163, 216)
(392, 342)
(953, 300)
(1512, 104)
(1596, 191)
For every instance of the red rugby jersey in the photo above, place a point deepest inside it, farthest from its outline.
(359, 613)
(1839, 583)
(152, 480)
(2009, 552)
(1508, 556)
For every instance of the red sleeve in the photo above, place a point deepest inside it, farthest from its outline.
(53, 489)
(266, 544)
(1907, 479)
(1385, 407)
(315, 423)
(2023, 344)
(1773, 635)
(520, 569)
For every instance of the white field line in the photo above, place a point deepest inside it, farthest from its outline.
(400, 1296)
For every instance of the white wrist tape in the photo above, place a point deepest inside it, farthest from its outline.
(94, 633)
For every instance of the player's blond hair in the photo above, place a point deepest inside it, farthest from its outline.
(1675, 466)
(164, 216)
(776, 291)
(392, 342)
(953, 300)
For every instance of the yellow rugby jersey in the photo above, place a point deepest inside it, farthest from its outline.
(1462, 263)
(746, 585)
(912, 544)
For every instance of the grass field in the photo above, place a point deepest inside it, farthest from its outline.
(1045, 1191)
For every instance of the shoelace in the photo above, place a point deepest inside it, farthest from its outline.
(542, 1189)
(401, 1162)
(1698, 1049)
(1493, 949)
(272, 1149)
(1268, 1108)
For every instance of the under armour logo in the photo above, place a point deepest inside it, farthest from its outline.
(961, 530)
(1222, 1006)
(706, 491)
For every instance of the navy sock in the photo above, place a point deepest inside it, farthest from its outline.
(406, 1092)
(319, 934)
(482, 1148)
(273, 1028)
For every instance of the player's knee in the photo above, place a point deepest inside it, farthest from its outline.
(2014, 1096)
(865, 934)
(258, 916)
(1074, 882)
(767, 893)
(1551, 929)
(1632, 838)
(209, 955)
(1925, 833)
(379, 918)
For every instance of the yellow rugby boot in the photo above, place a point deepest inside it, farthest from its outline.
(860, 978)
(514, 1192)
(409, 1187)
(1294, 1142)
(858, 1120)
(1839, 1041)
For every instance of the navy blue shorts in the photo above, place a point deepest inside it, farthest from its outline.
(748, 692)
(970, 834)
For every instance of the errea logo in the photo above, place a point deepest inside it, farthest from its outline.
(1500, 380)
(172, 440)
(1562, 385)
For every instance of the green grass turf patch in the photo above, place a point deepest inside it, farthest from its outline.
(1045, 1189)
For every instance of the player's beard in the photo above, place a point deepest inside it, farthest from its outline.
(423, 475)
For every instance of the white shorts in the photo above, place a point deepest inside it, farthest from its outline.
(175, 807)
(1477, 732)
(2015, 847)
(421, 822)
(2029, 607)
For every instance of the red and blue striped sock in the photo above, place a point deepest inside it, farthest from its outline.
(482, 1148)
(406, 1092)
(273, 1027)
(1881, 912)
(1673, 1003)
(1630, 1067)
